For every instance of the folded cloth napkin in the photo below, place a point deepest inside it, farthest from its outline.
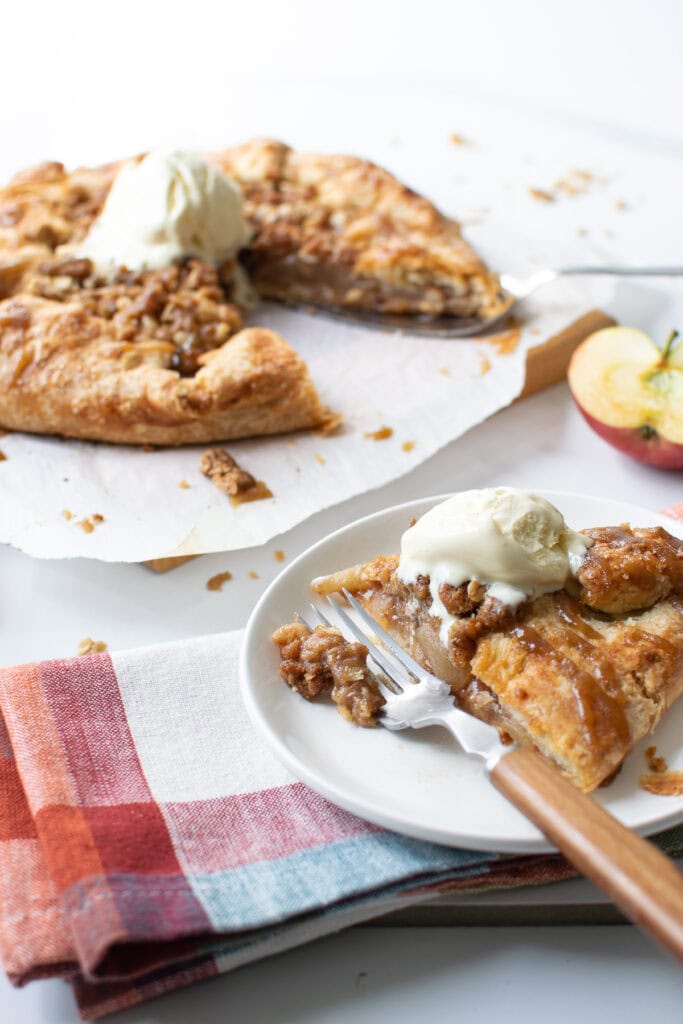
(148, 838)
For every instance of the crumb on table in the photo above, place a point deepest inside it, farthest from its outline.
(542, 195)
(3, 457)
(253, 575)
(67, 514)
(380, 435)
(183, 485)
(90, 646)
(216, 582)
(279, 555)
(319, 459)
(458, 140)
(408, 446)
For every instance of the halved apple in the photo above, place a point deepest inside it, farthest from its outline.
(631, 393)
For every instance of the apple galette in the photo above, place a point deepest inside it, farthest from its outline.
(123, 288)
(581, 673)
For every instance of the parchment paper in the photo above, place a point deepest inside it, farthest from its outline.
(427, 391)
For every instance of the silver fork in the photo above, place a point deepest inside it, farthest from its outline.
(515, 288)
(641, 880)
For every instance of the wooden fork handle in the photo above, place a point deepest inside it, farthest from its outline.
(643, 882)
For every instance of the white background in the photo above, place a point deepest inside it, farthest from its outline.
(85, 82)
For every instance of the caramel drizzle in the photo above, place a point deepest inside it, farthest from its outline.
(595, 705)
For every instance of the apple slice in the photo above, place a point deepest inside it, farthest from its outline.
(631, 393)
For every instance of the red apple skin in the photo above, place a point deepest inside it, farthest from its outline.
(656, 451)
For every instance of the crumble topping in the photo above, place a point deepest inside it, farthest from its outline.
(323, 661)
(180, 312)
(629, 569)
(224, 472)
(90, 646)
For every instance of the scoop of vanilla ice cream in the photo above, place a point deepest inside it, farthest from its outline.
(514, 542)
(168, 205)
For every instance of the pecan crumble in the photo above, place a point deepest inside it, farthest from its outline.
(322, 661)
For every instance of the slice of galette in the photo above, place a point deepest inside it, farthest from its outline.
(581, 673)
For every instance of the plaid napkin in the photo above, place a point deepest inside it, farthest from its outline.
(148, 838)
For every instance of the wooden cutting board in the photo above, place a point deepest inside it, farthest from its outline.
(546, 364)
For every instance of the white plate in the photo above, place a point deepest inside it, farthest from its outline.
(419, 782)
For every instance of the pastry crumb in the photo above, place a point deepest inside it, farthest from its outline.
(621, 204)
(319, 459)
(279, 555)
(216, 582)
(582, 232)
(574, 183)
(223, 471)
(444, 371)
(87, 523)
(253, 575)
(90, 646)
(662, 783)
(183, 485)
(330, 425)
(3, 457)
(458, 140)
(380, 435)
(655, 762)
(407, 446)
(541, 195)
(577, 182)
(485, 366)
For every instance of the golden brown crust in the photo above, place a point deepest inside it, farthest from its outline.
(338, 230)
(87, 358)
(581, 679)
(62, 371)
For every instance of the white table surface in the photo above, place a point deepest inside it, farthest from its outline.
(606, 74)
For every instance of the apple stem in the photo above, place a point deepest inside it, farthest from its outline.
(669, 345)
